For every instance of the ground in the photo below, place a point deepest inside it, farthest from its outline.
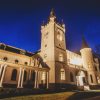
(75, 95)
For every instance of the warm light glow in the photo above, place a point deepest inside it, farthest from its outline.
(76, 61)
(43, 75)
(62, 74)
(61, 57)
(73, 58)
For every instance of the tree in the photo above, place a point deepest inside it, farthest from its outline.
(97, 49)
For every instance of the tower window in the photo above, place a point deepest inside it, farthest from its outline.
(61, 57)
(62, 74)
(59, 36)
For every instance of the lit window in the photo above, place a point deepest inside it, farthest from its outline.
(62, 73)
(43, 75)
(61, 57)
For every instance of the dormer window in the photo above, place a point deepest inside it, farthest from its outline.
(16, 61)
(5, 58)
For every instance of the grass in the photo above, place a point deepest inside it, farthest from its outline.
(75, 95)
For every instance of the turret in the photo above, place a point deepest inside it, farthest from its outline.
(88, 64)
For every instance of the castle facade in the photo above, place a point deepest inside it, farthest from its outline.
(52, 66)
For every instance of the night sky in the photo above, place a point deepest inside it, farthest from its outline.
(20, 22)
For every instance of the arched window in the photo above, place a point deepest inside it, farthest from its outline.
(25, 76)
(91, 78)
(62, 74)
(33, 76)
(61, 57)
(71, 77)
(14, 75)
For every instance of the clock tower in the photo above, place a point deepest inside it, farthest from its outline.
(53, 50)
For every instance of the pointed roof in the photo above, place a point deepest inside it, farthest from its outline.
(84, 43)
(52, 13)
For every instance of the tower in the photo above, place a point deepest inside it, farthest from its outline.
(88, 63)
(53, 49)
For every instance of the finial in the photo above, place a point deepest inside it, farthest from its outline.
(62, 21)
(52, 14)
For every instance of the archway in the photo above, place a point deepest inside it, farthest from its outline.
(81, 78)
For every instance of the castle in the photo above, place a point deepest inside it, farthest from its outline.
(52, 66)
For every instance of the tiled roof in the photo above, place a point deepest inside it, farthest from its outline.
(15, 50)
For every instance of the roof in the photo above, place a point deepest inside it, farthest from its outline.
(84, 43)
(40, 59)
(52, 13)
(15, 50)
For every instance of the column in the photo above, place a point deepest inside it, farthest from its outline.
(1, 69)
(22, 78)
(35, 85)
(19, 80)
(2, 76)
(47, 80)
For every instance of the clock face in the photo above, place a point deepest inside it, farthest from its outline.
(59, 35)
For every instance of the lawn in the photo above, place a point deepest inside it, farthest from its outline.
(79, 95)
(56, 96)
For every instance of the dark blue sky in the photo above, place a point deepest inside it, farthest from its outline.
(20, 21)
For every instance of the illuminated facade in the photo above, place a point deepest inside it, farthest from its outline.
(53, 66)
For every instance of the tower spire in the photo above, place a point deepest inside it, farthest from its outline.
(52, 13)
(84, 43)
